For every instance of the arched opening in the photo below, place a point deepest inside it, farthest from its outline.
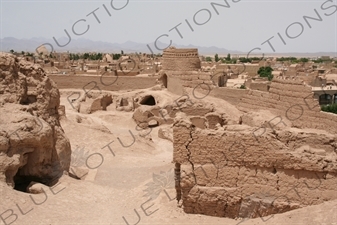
(335, 98)
(325, 99)
(164, 80)
(148, 100)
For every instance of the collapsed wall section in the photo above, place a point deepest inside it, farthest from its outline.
(231, 173)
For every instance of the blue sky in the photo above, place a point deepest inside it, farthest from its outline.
(242, 26)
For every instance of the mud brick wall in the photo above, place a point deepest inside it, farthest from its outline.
(181, 59)
(294, 102)
(104, 83)
(190, 79)
(231, 173)
(230, 95)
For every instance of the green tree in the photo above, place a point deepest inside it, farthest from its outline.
(266, 72)
(122, 52)
(304, 60)
(288, 59)
(12, 51)
(318, 60)
(116, 56)
(245, 59)
(22, 52)
(99, 56)
(208, 59)
(216, 57)
(228, 58)
(86, 56)
(255, 58)
(330, 108)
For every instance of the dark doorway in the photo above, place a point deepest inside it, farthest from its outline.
(148, 100)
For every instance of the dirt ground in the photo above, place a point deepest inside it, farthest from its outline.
(128, 182)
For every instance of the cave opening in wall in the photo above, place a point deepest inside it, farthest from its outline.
(148, 100)
(22, 182)
(30, 99)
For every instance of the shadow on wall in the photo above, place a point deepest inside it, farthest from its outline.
(164, 80)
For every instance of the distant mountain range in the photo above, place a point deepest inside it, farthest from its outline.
(86, 45)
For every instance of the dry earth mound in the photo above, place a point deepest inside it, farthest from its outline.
(33, 146)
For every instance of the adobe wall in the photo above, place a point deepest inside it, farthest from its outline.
(294, 102)
(175, 86)
(260, 86)
(251, 69)
(276, 158)
(318, 82)
(229, 173)
(308, 78)
(231, 95)
(189, 79)
(184, 59)
(106, 83)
